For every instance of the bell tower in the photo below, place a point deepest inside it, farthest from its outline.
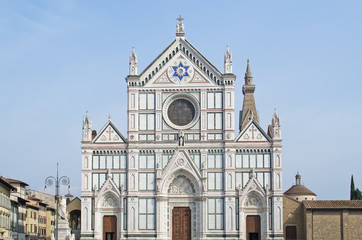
(249, 109)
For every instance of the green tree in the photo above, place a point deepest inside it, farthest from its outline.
(355, 194)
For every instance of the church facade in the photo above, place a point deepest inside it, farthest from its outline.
(183, 172)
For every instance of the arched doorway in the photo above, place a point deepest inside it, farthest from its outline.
(109, 227)
(253, 227)
(181, 223)
(182, 189)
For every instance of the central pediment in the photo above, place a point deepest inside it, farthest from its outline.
(179, 72)
(178, 65)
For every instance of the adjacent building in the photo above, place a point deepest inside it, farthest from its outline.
(308, 218)
(18, 209)
(5, 209)
(182, 172)
(32, 221)
(47, 205)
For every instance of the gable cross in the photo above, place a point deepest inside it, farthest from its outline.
(252, 129)
(179, 19)
(110, 131)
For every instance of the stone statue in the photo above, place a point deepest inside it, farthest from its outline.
(63, 208)
(181, 141)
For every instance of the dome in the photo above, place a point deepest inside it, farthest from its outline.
(299, 190)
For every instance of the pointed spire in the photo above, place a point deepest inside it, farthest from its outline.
(248, 75)
(228, 65)
(87, 119)
(276, 120)
(133, 63)
(180, 31)
(87, 128)
(249, 109)
(274, 129)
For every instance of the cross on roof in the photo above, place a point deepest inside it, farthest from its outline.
(179, 18)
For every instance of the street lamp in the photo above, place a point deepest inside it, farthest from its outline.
(49, 181)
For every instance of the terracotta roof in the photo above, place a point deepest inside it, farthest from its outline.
(299, 190)
(6, 183)
(68, 195)
(32, 205)
(10, 180)
(333, 204)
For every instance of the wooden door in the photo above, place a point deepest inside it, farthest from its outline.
(291, 232)
(181, 223)
(109, 227)
(253, 227)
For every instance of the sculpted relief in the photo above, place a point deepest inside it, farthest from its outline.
(253, 201)
(181, 185)
(109, 203)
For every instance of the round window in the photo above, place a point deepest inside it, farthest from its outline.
(181, 111)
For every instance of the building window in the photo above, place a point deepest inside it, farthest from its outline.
(125, 213)
(252, 161)
(196, 157)
(165, 158)
(270, 213)
(147, 209)
(97, 180)
(147, 101)
(146, 181)
(237, 213)
(147, 121)
(215, 181)
(214, 161)
(120, 179)
(216, 214)
(242, 178)
(214, 121)
(110, 162)
(214, 100)
(147, 161)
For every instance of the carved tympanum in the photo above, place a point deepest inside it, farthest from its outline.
(181, 185)
(253, 201)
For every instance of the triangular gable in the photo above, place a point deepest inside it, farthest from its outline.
(252, 133)
(180, 71)
(155, 72)
(107, 196)
(109, 134)
(253, 185)
(181, 160)
(109, 185)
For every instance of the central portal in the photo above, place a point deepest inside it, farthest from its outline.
(253, 227)
(109, 227)
(181, 223)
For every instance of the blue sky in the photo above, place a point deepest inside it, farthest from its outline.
(59, 59)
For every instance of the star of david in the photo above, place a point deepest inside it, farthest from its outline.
(180, 71)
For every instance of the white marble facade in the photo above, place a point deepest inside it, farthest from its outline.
(181, 150)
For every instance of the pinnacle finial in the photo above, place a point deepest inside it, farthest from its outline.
(248, 75)
(133, 63)
(228, 61)
(87, 119)
(248, 67)
(298, 178)
(109, 117)
(180, 32)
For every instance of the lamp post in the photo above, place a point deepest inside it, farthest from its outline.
(49, 181)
